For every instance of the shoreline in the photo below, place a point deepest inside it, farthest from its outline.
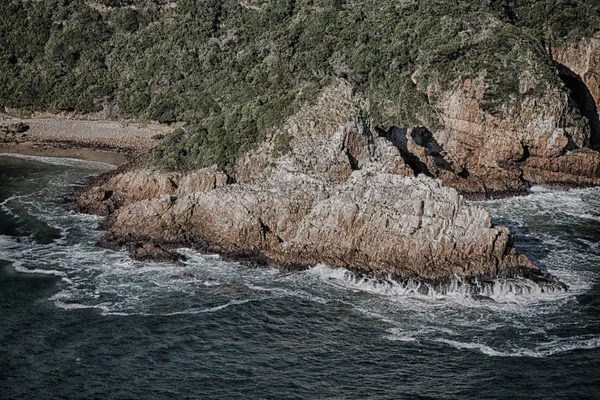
(109, 142)
(32, 149)
(138, 230)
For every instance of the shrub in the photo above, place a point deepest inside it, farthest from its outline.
(282, 145)
(229, 73)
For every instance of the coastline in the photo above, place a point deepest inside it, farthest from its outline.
(111, 157)
(110, 142)
(194, 213)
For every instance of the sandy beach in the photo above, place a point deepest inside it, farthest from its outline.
(93, 140)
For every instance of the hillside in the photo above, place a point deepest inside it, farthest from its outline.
(229, 72)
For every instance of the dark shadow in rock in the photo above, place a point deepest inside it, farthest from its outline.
(583, 99)
(526, 153)
(398, 137)
(107, 195)
(353, 162)
(424, 138)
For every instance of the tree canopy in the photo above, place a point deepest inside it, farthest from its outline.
(228, 70)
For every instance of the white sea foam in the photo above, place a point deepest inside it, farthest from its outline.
(64, 161)
(210, 309)
(413, 312)
(399, 335)
(457, 320)
(281, 292)
(190, 311)
(75, 306)
(542, 350)
(118, 286)
(578, 203)
(478, 346)
(8, 243)
(5, 205)
(342, 278)
(20, 268)
(501, 290)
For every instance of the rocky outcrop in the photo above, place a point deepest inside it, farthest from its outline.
(130, 185)
(583, 166)
(373, 222)
(497, 155)
(546, 137)
(338, 192)
(11, 131)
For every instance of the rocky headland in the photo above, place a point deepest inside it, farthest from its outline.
(349, 133)
(327, 188)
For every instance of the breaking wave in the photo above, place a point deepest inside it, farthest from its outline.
(522, 320)
(64, 162)
(543, 350)
(500, 290)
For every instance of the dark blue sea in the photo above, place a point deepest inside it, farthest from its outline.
(81, 322)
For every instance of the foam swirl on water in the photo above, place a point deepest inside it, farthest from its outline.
(64, 162)
(552, 227)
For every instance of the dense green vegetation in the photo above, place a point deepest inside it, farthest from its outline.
(230, 69)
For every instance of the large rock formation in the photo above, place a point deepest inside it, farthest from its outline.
(546, 137)
(545, 140)
(373, 222)
(128, 185)
(322, 189)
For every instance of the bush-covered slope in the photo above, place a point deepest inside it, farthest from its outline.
(231, 69)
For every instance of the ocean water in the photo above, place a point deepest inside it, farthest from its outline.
(81, 322)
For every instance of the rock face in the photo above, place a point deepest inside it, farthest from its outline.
(127, 186)
(489, 155)
(338, 194)
(550, 138)
(581, 62)
(11, 131)
(546, 131)
(373, 222)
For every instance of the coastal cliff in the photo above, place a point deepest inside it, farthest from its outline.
(546, 131)
(342, 132)
(335, 194)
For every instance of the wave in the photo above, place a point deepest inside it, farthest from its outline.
(64, 161)
(4, 205)
(574, 203)
(76, 306)
(281, 292)
(118, 286)
(412, 312)
(107, 310)
(547, 349)
(499, 290)
(20, 268)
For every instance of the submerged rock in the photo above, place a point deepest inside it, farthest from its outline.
(152, 252)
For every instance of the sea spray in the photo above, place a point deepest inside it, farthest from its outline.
(523, 320)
